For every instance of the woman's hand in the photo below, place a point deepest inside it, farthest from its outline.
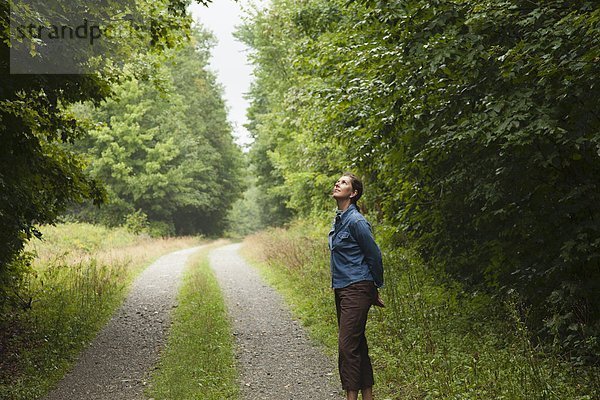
(378, 302)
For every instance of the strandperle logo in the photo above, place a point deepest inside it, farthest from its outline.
(69, 36)
(60, 32)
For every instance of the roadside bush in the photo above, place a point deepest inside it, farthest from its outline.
(157, 229)
(136, 222)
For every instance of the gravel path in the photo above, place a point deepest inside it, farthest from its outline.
(117, 364)
(276, 359)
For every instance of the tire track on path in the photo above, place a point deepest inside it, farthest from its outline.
(117, 364)
(275, 358)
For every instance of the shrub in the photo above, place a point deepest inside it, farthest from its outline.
(136, 222)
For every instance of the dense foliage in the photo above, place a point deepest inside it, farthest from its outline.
(41, 174)
(166, 150)
(474, 124)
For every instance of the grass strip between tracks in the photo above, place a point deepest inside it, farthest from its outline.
(198, 361)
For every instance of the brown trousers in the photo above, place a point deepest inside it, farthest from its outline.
(352, 304)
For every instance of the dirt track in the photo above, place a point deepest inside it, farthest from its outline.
(117, 364)
(276, 359)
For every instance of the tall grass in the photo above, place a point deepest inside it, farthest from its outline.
(198, 361)
(434, 340)
(77, 280)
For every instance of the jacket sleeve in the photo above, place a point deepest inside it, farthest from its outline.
(361, 231)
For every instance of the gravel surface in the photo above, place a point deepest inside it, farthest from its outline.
(275, 357)
(117, 364)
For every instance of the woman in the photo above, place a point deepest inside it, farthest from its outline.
(356, 273)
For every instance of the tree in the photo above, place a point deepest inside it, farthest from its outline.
(168, 151)
(40, 175)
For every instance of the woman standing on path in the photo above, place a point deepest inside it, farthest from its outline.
(356, 273)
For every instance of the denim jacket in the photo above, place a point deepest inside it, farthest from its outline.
(354, 254)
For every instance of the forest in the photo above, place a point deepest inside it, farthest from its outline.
(130, 137)
(474, 125)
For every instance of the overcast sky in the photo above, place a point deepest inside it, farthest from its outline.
(229, 57)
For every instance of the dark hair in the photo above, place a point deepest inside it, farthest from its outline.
(356, 185)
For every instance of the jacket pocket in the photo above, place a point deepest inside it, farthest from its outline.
(343, 235)
(342, 240)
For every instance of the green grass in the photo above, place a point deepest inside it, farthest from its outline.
(78, 279)
(198, 361)
(73, 237)
(433, 340)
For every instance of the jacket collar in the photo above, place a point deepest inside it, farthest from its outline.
(341, 216)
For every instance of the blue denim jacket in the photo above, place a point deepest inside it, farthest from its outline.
(354, 254)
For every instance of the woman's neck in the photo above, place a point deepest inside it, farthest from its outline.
(343, 204)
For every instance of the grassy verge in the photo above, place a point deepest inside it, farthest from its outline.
(78, 278)
(198, 361)
(433, 340)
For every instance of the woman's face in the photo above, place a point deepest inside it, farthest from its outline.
(343, 188)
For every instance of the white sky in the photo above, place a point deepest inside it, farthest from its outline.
(229, 60)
